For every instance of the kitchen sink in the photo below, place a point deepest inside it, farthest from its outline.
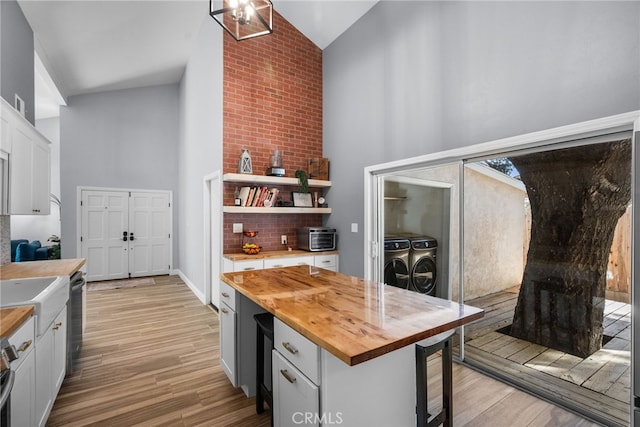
(49, 295)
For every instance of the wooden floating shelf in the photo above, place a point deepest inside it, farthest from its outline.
(277, 210)
(271, 180)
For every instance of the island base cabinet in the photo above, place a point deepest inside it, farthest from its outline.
(296, 400)
(227, 343)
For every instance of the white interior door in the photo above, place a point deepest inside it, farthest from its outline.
(149, 234)
(125, 234)
(105, 215)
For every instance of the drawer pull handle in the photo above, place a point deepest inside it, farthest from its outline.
(326, 261)
(249, 268)
(25, 345)
(291, 349)
(224, 310)
(226, 295)
(278, 266)
(287, 376)
(57, 326)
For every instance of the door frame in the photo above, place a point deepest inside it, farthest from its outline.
(212, 194)
(79, 191)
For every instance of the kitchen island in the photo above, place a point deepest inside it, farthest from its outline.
(363, 366)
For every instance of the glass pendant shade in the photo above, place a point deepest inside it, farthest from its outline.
(243, 19)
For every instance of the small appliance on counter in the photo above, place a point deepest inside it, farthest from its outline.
(316, 239)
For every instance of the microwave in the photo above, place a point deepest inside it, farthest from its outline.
(315, 239)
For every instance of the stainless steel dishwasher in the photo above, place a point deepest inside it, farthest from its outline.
(75, 319)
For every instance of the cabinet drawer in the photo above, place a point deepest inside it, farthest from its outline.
(228, 295)
(295, 398)
(300, 351)
(288, 262)
(24, 341)
(247, 265)
(325, 261)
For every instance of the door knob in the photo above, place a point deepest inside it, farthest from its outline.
(124, 236)
(131, 237)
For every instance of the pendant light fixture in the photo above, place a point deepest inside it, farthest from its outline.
(243, 19)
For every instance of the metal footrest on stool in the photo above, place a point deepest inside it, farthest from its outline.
(264, 323)
(423, 351)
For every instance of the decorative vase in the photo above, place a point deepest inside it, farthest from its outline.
(245, 162)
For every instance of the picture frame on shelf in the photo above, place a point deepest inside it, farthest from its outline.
(301, 200)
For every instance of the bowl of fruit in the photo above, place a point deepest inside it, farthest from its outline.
(250, 248)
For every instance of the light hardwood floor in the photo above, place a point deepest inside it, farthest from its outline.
(151, 357)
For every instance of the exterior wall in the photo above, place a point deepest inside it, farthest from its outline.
(494, 247)
(272, 100)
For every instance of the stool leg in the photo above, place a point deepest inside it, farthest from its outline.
(259, 372)
(421, 386)
(447, 384)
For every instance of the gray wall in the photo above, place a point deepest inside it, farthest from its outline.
(200, 151)
(16, 57)
(120, 139)
(460, 73)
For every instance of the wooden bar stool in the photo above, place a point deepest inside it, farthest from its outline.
(423, 351)
(264, 323)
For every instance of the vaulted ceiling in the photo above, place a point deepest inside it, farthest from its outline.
(91, 46)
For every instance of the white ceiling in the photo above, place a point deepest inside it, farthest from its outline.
(92, 46)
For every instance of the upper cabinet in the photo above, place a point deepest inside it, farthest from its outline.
(273, 181)
(29, 164)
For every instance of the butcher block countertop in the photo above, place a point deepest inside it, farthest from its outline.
(353, 319)
(12, 317)
(55, 267)
(276, 254)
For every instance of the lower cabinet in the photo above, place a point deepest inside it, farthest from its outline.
(329, 262)
(51, 352)
(296, 400)
(238, 338)
(296, 378)
(24, 387)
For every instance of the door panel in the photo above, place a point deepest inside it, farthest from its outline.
(149, 219)
(104, 219)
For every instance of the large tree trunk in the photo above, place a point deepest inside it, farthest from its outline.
(577, 196)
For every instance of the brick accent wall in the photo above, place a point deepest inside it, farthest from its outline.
(272, 100)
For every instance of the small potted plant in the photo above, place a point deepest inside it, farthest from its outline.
(303, 180)
(54, 250)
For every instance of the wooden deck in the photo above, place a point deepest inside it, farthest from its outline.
(599, 384)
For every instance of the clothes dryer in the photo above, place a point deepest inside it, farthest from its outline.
(396, 262)
(422, 265)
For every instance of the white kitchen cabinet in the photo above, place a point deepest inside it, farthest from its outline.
(238, 339)
(24, 387)
(328, 262)
(296, 378)
(230, 266)
(29, 166)
(296, 399)
(228, 356)
(51, 351)
(287, 261)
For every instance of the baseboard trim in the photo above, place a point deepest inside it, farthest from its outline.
(197, 292)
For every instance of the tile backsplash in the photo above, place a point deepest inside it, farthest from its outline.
(5, 239)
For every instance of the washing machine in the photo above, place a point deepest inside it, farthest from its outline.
(422, 265)
(396, 262)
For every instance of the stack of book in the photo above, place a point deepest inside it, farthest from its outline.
(258, 196)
